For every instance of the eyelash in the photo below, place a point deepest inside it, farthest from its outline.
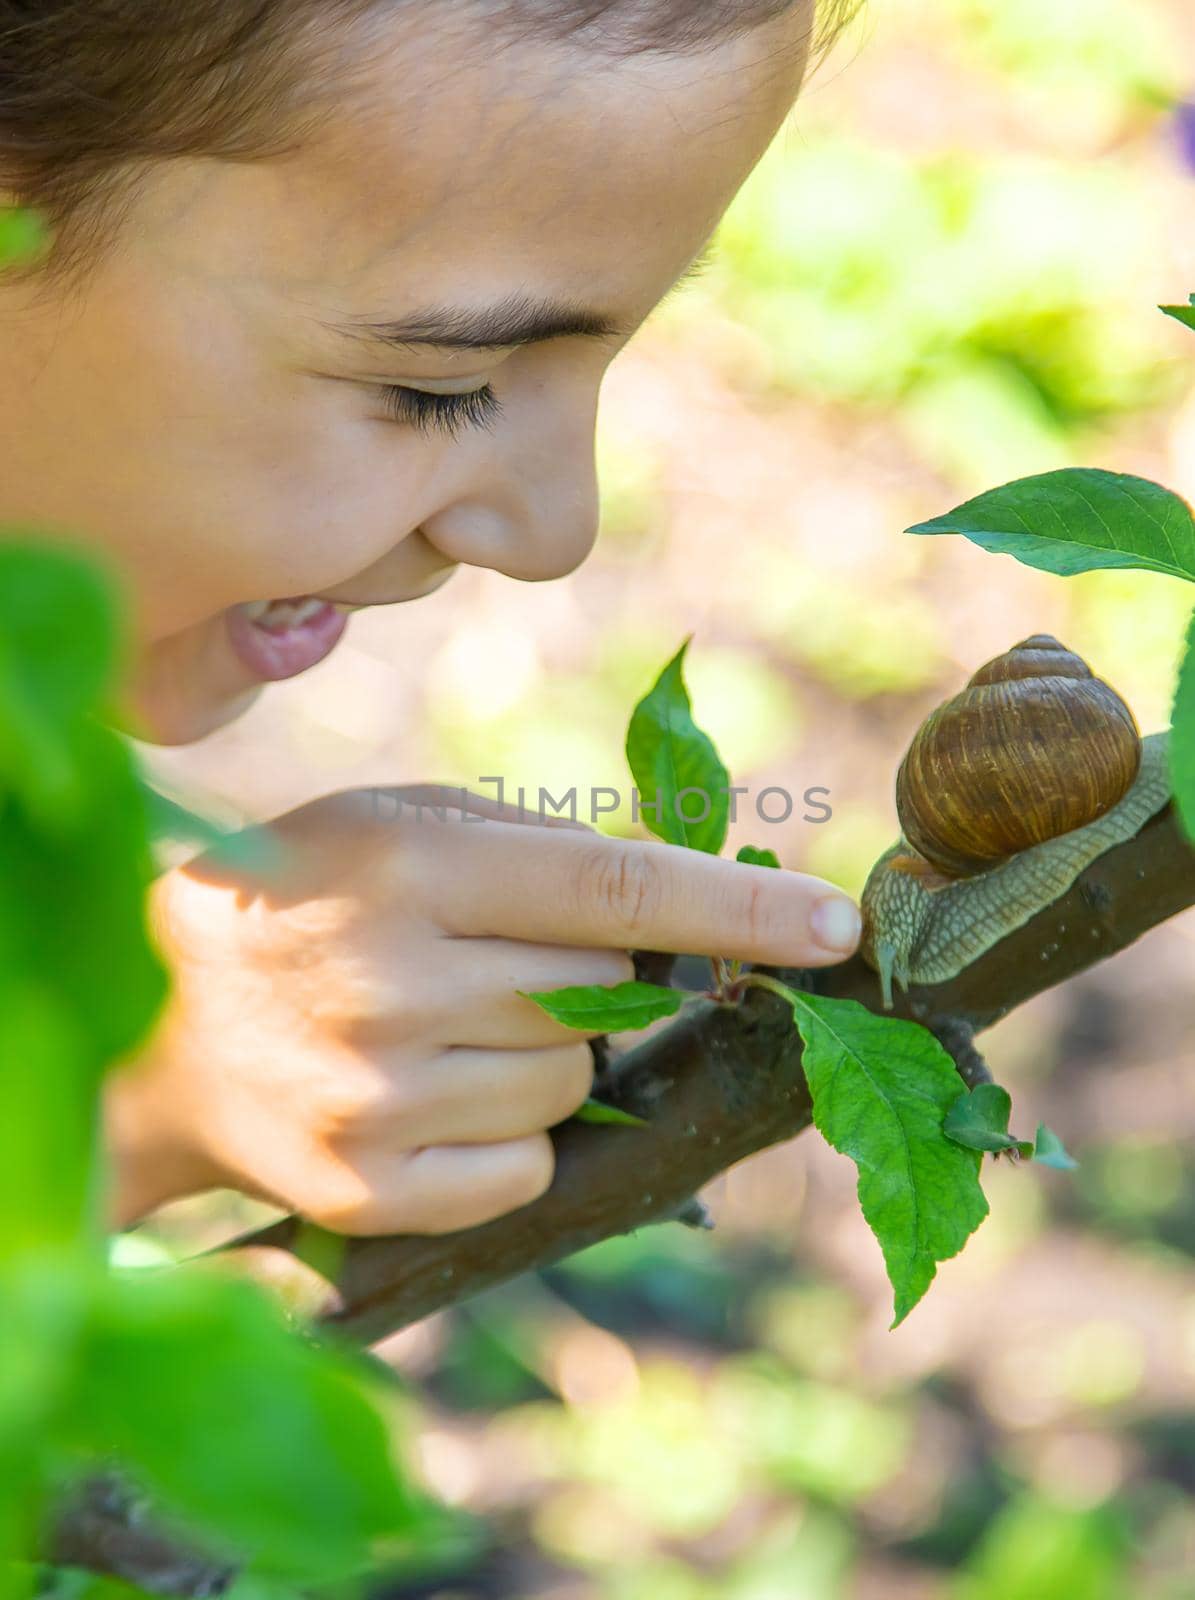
(447, 413)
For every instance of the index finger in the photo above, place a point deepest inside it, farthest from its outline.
(556, 886)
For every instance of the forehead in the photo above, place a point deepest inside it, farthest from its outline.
(449, 156)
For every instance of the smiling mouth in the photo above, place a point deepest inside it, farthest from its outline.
(277, 639)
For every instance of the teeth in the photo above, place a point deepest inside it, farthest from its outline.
(279, 615)
(307, 610)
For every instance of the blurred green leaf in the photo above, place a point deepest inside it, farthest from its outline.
(754, 857)
(43, 1307)
(601, 1114)
(58, 618)
(1079, 519)
(274, 1445)
(881, 1088)
(617, 1008)
(74, 853)
(1112, 52)
(72, 1583)
(657, 1451)
(674, 764)
(23, 235)
(1049, 1150)
(1036, 1550)
(72, 905)
(979, 1121)
(1182, 737)
(821, 1438)
(864, 273)
(48, 1079)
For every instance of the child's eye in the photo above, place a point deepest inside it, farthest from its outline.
(448, 412)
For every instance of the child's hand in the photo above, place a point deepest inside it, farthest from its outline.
(348, 1042)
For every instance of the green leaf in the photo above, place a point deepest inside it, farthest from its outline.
(1182, 737)
(45, 1303)
(48, 1085)
(74, 853)
(58, 650)
(246, 1431)
(684, 787)
(1049, 1150)
(758, 858)
(1079, 519)
(979, 1121)
(616, 1009)
(881, 1089)
(59, 615)
(599, 1113)
(23, 235)
(72, 905)
(73, 1583)
(1183, 314)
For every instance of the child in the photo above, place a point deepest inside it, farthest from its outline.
(332, 292)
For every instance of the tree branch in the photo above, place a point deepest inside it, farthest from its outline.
(724, 1082)
(719, 1084)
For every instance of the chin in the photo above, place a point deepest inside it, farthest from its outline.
(159, 719)
(182, 688)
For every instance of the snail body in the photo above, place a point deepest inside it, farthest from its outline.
(1007, 793)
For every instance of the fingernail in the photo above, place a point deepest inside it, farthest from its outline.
(836, 924)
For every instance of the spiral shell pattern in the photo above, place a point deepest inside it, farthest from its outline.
(1034, 747)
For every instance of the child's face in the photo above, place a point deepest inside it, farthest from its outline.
(198, 414)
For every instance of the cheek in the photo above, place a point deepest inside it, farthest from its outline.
(316, 504)
(240, 478)
(280, 500)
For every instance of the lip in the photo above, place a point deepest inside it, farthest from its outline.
(273, 656)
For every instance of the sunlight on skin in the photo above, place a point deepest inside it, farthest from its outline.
(194, 414)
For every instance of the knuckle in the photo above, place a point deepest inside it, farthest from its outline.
(347, 1106)
(379, 1010)
(578, 1076)
(571, 1083)
(628, 884)
(532, 1172)
(410, 851)
(756, 913)
(612, 967)
(342, 1201)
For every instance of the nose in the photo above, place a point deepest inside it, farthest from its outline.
(530, 509)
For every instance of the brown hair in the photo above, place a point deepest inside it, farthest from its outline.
(91, 90)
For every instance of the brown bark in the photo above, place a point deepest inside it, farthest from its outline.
(723, 1082)
(717, 1085)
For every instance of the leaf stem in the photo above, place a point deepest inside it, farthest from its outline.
(762, 980)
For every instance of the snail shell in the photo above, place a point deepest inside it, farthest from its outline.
(1034, 747)
(921, 927)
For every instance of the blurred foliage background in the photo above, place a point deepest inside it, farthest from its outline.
(942, 276)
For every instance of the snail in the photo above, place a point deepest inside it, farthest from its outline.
(1006, 794)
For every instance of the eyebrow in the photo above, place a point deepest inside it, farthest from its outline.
(517, 320)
